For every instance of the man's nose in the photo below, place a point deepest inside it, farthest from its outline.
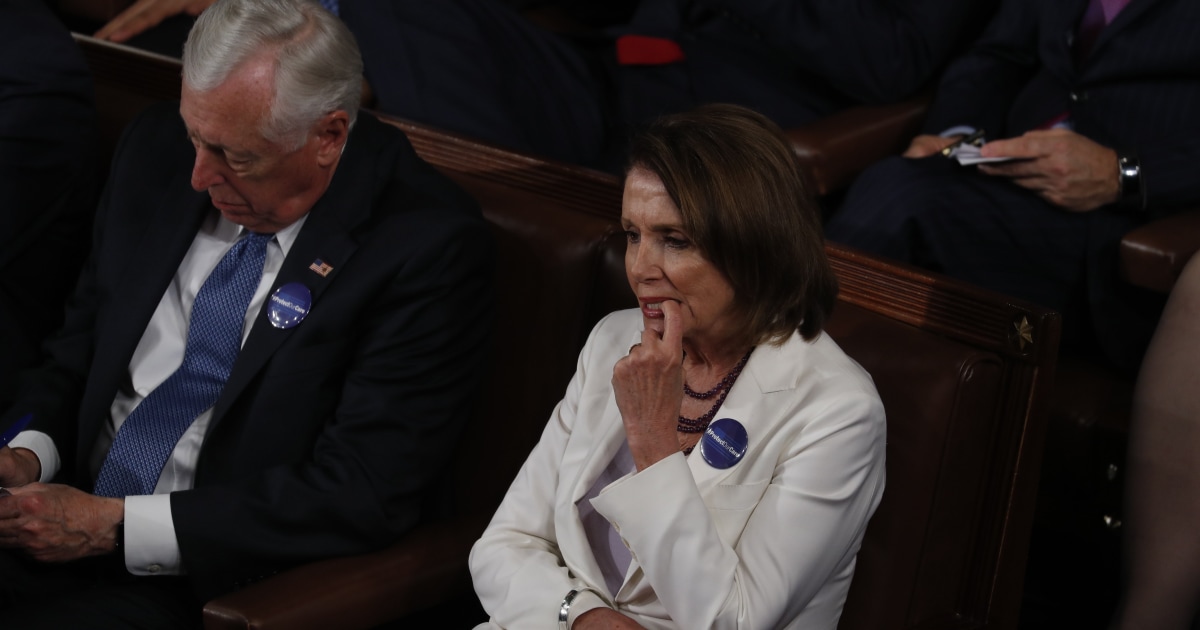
(206, 172)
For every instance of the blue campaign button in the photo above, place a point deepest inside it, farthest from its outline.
(289, 305)
(724, 443)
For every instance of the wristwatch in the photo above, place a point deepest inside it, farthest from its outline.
(564, 610)
(1129, 182)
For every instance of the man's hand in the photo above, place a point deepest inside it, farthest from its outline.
(1061, 166)
(604, 619)
(145, 14)
(926, 145)
(56, 523)
(18, 467)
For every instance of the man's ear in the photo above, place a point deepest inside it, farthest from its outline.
(332, 131)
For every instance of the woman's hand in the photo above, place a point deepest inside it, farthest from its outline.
(649, 389)
(604, 619)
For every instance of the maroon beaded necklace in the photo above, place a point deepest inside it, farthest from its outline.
(698, 425)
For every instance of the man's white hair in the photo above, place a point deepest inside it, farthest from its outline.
(318, 68)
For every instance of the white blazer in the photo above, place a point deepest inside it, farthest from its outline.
(767, 543)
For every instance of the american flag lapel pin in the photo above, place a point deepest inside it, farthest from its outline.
(321, 267)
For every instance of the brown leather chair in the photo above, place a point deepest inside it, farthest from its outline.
(963, 374)
(836, 148)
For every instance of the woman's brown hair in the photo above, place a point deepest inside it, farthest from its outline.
(748, 207)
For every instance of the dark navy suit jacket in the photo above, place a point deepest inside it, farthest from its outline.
(797, 60)
(1137, 92)
(47, 183)
(327, 435)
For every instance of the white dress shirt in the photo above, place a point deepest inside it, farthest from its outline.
(150, 544)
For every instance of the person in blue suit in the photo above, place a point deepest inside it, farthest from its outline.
(1094, 105)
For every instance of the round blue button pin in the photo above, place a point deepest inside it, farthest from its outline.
(289, 305)
(724, 443)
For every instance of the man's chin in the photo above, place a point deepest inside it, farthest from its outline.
(238, 214)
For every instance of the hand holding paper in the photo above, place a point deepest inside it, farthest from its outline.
(968, 154)
(1061, 166)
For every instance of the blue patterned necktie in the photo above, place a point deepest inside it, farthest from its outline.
(214, 338)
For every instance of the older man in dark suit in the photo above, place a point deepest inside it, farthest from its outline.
(273, 346)
(1095, 103)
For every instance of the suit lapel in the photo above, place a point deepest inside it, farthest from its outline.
(761, 375)
(766, 371)
(156, 261)
(602, 447)
(326, 235)
(1129, 14)
(157, 253)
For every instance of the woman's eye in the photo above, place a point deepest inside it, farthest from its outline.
(675, 242)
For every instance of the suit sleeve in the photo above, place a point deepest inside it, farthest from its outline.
(806, 524)
(979, 87)
(875, 51)
(517, 568)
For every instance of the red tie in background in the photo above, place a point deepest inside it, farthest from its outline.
(640, 50)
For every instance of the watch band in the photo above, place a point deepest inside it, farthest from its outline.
(564, 611)
(1129, 183)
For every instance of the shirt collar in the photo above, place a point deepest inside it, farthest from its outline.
(228, 231)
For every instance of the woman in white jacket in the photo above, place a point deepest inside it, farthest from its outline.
(716, 458)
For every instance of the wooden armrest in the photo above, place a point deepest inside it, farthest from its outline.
(426, 568)
(835, 149)
(1153, 255)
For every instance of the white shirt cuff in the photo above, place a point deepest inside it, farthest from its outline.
(150, 544)
(43, 447)
(958, 130)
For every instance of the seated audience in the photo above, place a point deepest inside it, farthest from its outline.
(1162, 491)
(479, 68)
(1093, 106)
(700, 430)
(270, 354)
(48, 187)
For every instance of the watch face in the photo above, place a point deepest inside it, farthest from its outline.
(1130, 173)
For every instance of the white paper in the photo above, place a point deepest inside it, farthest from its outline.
(968, 154)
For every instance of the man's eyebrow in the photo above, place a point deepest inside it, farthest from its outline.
(220, 147)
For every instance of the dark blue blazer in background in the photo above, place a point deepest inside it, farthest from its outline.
(48, 187)
(1137, 92)
(479, 68)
